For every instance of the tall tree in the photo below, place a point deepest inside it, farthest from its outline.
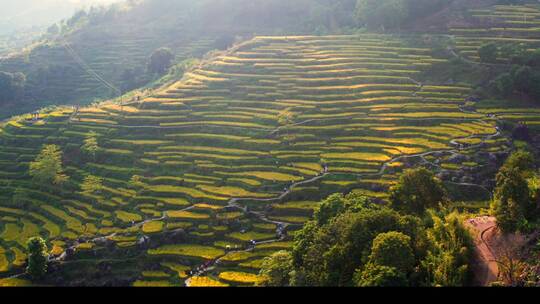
(37, 258)
(449, 251)
(47, 167)
(377, 14)
(329, 253)
(416, 191)
(337, 204)
(160, 60)
(521, 160)
(90, 145)
(276, 269)
(11, 86)
(374, 275)
(393, 249)
(92, 184)
(513, 203)
(488, 52)
(511, 200)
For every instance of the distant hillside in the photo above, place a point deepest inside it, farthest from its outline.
(449, 15)
(115, 43)
(27, 14)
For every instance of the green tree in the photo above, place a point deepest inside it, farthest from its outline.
(329, 254)
(416, 191)
(374, 275)
(337, 204)
(515, 53)
(90, 146)
(534, 89)
(376, 14)
(47, 167)
(92, 184)
(515, 194)
(512, 200)
(11, 86)
(488, 52)
(521, 160)
(503, 85)
(37, 258)
(160, 60)
(136, 183)
(286, 117)
(449, 251)
(276, 269)
(523, 79)
(393, 249)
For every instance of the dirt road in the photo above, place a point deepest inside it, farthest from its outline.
(487, 269)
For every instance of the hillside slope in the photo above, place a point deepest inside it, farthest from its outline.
(274, 124)
(27, 14)
(115, 43)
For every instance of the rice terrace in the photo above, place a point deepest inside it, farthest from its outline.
(161, 143)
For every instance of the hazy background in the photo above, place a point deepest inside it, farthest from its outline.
(16, 15)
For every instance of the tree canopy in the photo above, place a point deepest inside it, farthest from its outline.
(374, 275)
(386, 14)
(416, 191)
(92, 184)
(11, 86)
(354, 242)
(47, 167)
(276, 269)
(449, 251)
(377, 14)
(160, 61)
(393, 249)
(513, 204)
(90, 145)
(37, 258)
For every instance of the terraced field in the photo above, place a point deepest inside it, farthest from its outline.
(74, 71)
(239, 150)
(512, 24)
(506, 25)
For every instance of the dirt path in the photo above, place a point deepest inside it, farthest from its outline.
(487, 269)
